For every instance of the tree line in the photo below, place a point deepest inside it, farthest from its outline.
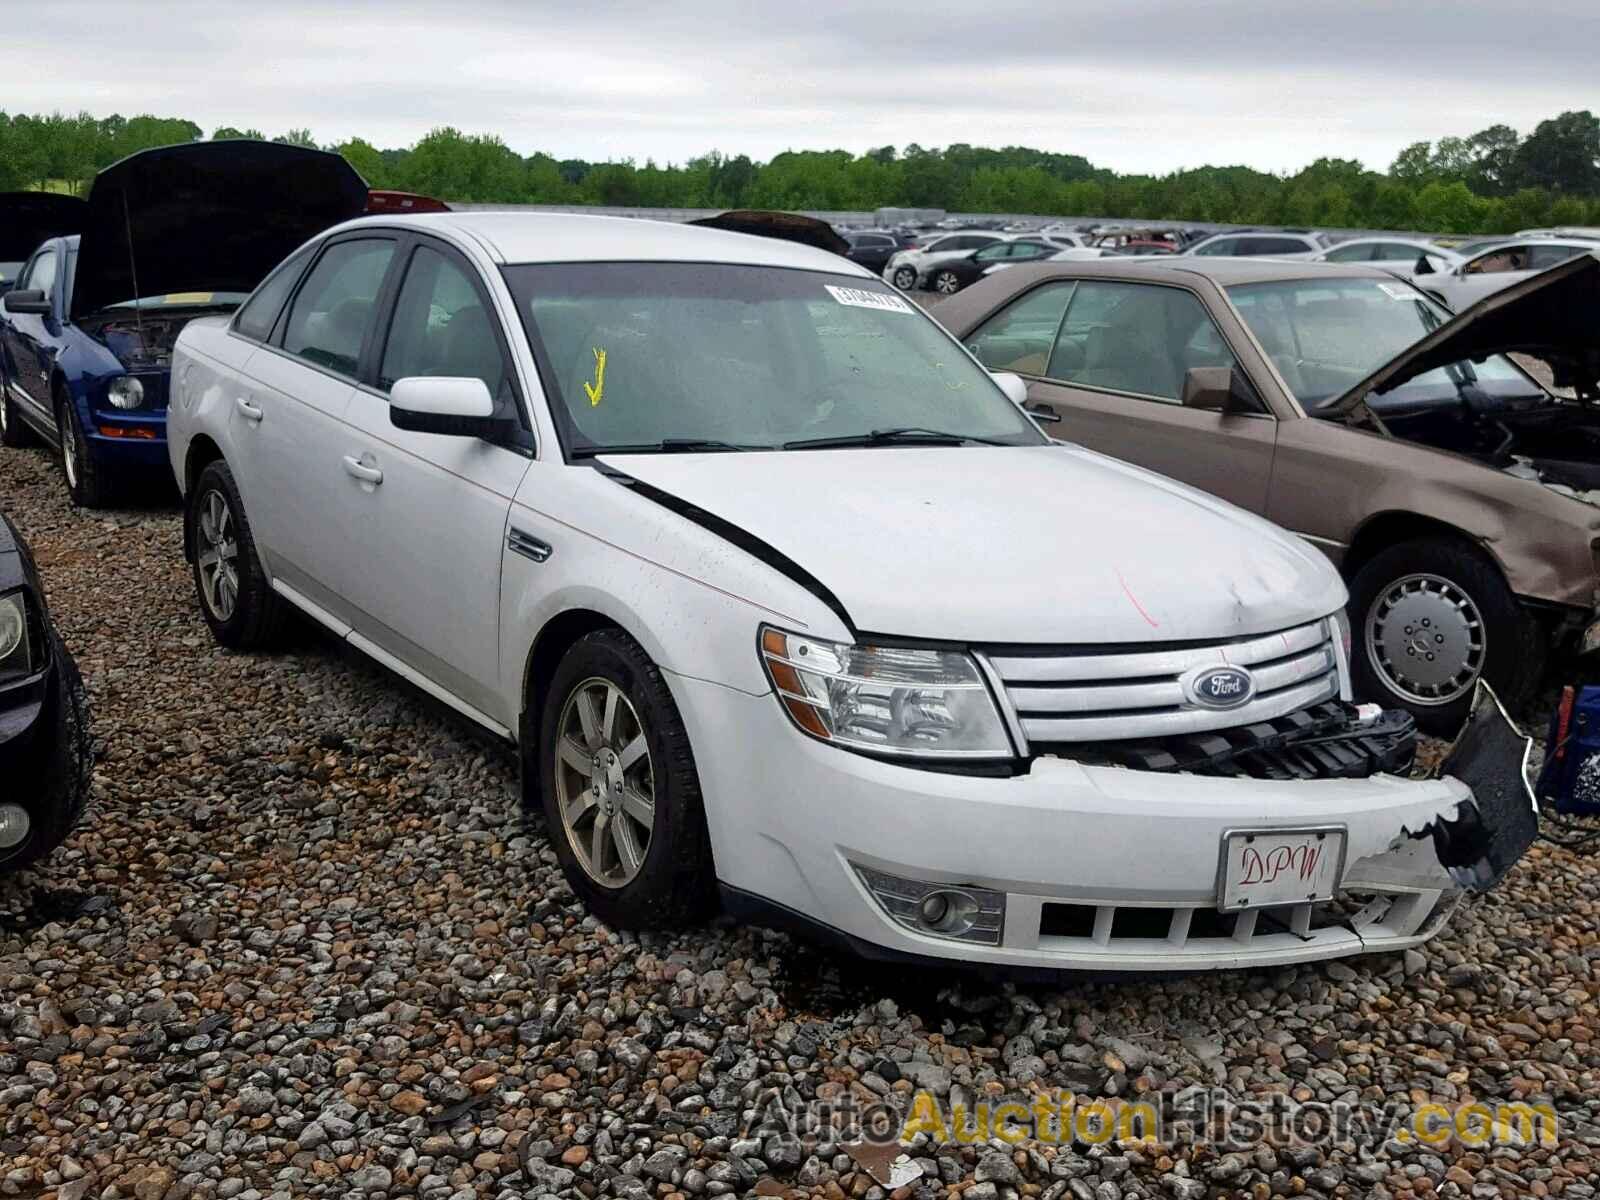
(1494, 181)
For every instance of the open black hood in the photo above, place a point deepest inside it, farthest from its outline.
(786, 226)
(1553, 316)
(206, 217)
(28, 218)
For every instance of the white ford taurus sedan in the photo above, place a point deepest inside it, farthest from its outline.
(788, 606)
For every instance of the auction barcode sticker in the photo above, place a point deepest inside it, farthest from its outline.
(861, 298)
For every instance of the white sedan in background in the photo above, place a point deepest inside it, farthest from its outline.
(1401, 255)
(785, 602)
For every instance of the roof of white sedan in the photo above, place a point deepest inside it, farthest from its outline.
(522, 237)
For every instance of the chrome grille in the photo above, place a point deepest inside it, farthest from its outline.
(1086, 694)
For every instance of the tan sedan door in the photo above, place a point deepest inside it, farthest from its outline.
(1109, 357)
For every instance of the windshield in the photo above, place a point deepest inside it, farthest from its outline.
(636, 354)
(1327, 335)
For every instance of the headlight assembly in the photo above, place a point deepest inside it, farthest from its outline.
(894, 700)
(15, 658)
(126, 392)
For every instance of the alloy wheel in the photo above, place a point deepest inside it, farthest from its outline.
(218, 556)
(1426, 638)
(69, 449)
(946, 283)
(904, 278)
(605, 785)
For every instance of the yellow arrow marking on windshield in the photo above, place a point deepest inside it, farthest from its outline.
(597, 389)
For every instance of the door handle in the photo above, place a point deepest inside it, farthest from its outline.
(248, 411)
(357, 469)
(1040, 413)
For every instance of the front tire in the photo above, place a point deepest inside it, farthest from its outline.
(904, 278)
(236, 599)
(89, 484)
(1429, 618)
(620, 793)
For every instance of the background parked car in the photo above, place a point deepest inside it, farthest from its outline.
(168, 235)
(950, 276)
(1464, 520)
(1261, 244)
(1395, 253)
(1496, 267)
(905, 266)
(873, 249)
(46, 751)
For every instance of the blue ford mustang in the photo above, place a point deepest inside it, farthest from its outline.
(86, 333)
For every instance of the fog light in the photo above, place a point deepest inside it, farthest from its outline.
(14, 825)
(967, 914)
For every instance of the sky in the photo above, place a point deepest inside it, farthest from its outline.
(1134, 85)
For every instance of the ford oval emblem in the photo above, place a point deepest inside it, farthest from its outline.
(1221, 687)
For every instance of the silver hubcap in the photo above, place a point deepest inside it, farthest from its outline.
(69, 449)
(904, 279)
(605, 787)
(219, 556)
(1426, 637)
(946, 283)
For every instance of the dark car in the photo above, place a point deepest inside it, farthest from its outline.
(28, 218)
(167, 235)
(873, 249)
(948, 278)
(46, 753)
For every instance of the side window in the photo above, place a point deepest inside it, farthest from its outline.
(1548, 256)
(260, 312)
(1507, 258)
(41, 275)
(441, 327)
(1396, 252)
(1019, 337)
(1222, 246)
(1135, 338)
(1272, 245)
(1360, 253)
(329, 318)
(994, 253)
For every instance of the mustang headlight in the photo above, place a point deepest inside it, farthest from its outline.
(885, 699)
(126, 392)
(14, 655)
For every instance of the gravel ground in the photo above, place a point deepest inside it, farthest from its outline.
(307, 944)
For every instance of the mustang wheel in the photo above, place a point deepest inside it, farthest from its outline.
(88, 483)
(904, 278)
(236, 599)
(946, 283)
(620, 794)
(1430, 618)
(13, 432)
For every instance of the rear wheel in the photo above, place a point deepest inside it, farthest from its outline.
(13, 432)
(88, 483)
(236, 599)
(1430, 618)
(620, 793)
(946, 283)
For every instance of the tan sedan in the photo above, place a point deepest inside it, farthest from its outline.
(1460, 498)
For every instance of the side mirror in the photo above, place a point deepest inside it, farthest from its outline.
(1014, 386)
(449, 406)
(28, 302)
(1218, 389)
(1424, 265)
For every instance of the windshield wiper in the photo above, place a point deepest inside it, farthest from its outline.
(664, 446)
(909, 435)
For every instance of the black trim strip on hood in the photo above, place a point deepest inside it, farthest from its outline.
(742, 538)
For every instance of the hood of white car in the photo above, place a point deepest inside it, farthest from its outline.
(1047, 544)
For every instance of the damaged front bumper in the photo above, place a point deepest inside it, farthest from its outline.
(1073, 866)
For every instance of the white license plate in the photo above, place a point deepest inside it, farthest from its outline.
(1279, 866)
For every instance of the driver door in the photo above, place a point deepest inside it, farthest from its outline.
(1112, 367)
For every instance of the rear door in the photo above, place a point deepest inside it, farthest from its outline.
(289, 416)
(432, 525)
(1113, 370)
